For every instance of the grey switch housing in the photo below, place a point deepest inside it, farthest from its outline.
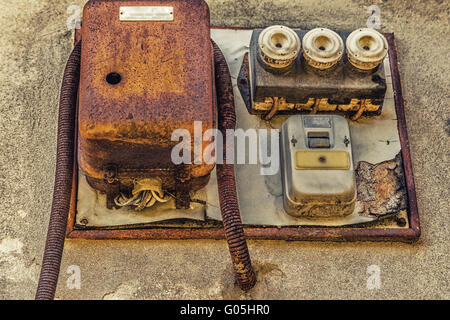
(317, 166)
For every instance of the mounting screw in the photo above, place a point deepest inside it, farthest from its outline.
(84, 222)
(110, 175)
(294, 141)
(346, 141)
(401, 222)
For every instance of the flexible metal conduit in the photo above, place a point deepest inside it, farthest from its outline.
(228, 199)
(63, 179)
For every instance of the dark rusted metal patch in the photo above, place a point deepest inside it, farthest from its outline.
(368, 233)
(243, 82)
(381, 187)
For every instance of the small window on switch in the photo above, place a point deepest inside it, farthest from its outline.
(318, 139)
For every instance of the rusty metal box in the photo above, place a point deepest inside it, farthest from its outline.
(146, 70)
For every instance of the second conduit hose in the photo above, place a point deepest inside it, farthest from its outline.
(229, 205)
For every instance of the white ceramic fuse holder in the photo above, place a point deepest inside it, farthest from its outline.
(322, 48)
(366, 48)
(279, 46)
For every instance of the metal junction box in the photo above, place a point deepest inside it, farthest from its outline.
(146, 70)
(318, 174)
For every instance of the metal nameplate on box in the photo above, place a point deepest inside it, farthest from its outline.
(146, 13)
(317, 122)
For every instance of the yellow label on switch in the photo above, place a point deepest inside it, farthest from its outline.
(322, 160)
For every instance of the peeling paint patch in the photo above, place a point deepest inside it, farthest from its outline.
(9, 245)
(14, 266)
(124, 291)
(22, 213)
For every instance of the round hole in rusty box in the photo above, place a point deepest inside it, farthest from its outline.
(113, 78)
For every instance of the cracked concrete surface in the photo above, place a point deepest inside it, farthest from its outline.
(34, 46)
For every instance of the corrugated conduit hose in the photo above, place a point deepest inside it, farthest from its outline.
(63, 178)
(229, 205)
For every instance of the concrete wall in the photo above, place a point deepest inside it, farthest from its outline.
(34, 46)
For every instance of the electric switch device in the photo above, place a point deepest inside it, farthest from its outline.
(142, 70)
(317, 167)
